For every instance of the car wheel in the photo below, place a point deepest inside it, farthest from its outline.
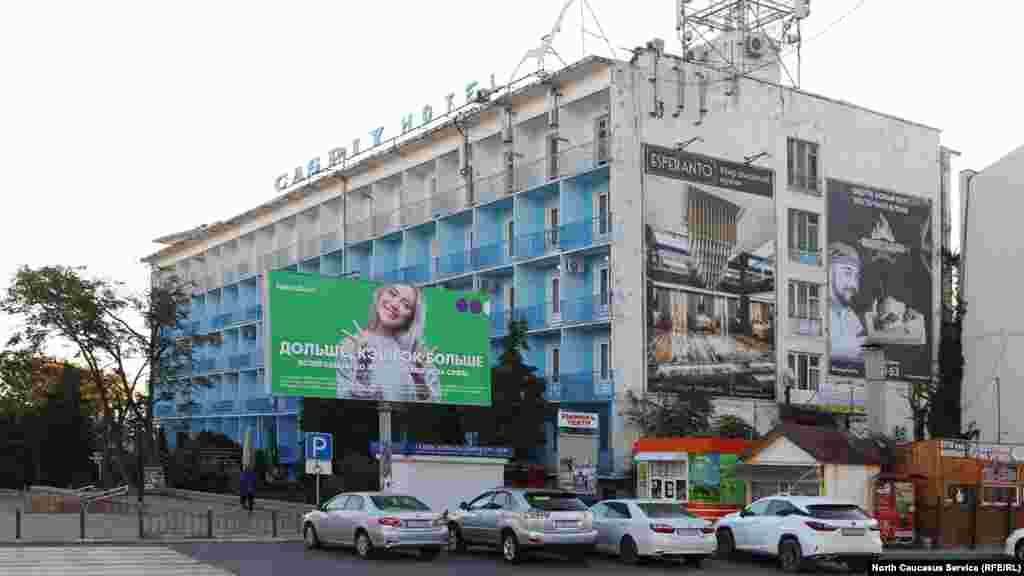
(628, 551)
(695, 561)
(310, 538)
(429, 553)
(726, 544)
(859, 565)
(1019, 551)
(791, 558)
(364, 547)
(455, 541)
(509, 548)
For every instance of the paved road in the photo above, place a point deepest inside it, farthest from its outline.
(102, 561)
(266, 559)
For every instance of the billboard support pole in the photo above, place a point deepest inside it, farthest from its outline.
(384, 423)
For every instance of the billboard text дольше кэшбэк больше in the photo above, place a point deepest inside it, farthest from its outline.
(711, 275)
(357, 340)
(880, 280)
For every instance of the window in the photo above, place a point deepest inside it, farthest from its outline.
(399, 504)
(760, 508)
(556, 303)
(503, 500)
(510, 237)
(618, 510)
(553, 225)
(805, 308)
(837, 512)
(604, 352)
(556, 363)
(803, 238)
(481, 501)
(555, 502)
(999, 495)
(602, 133)
(553, 156)
(602, 287)
(805, 368)
(803, 166)
(602, 214)
(781, 508)
(355, 503)
(337, 503)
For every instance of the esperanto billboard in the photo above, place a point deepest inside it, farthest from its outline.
(356, 340)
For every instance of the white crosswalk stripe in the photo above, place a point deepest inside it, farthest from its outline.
(101, 561)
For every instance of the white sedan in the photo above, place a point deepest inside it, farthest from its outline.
(635, 529)
(1015, 544)
(799, 530)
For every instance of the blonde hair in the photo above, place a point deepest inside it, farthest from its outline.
(411, 334)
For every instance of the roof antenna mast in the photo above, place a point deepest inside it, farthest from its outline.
(546, 48)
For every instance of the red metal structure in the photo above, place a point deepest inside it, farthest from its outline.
(894, 506)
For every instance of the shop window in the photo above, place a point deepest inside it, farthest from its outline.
(963, 495)
(1000, 495)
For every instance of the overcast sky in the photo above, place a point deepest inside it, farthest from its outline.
(124, 121)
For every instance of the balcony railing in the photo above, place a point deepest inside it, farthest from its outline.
(501, 317)
(540, 316)
(330, 241)
(531, 173)
(535, 244)
(594, 386)
(493, 186)
(805, 326)
(387, 222)
(416, 212)
(580, 158)
(359, 231)
(254, 313)
(591, 308)
(455, 263)
(491, 255)
(221, 407)
(810, 257)
(583, 233)
(261, 404)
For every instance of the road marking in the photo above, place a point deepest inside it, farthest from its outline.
(102, 561)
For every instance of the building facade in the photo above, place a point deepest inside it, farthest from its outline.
(993, 342)
(660, 225)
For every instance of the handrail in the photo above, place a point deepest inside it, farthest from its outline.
(119, 491)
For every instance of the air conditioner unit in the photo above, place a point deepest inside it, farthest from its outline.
(757, 46)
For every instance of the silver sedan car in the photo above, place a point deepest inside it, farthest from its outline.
(376, 521)
(635, 529)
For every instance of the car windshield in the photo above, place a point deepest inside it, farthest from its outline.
(554, 502)
(837, 512)
(399, 503)
(664, 510)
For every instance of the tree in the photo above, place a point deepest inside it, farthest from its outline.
(667, 414)
(124, 340)
(730, 426)
(519, 410)
(945, 417)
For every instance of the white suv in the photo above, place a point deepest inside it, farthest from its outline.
(802, 529)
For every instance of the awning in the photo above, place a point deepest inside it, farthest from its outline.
(660, 457)
(776, 472)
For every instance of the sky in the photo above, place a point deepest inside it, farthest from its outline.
(124, 121)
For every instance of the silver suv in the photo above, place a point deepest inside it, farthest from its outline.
(517, 519)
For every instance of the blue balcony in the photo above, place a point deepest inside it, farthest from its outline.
(810, 256)
(387, 276)
(287, 403)
(221, 320)
(540, 316)
(584, 233)
(536, 244)
(493, 255)
(261, 404)
(500, 319)
(592, 308)
(163, 410)
(241, 361)
(582, 387)
(221, 407)
(254, 313)
(455, 263)
(206, 364)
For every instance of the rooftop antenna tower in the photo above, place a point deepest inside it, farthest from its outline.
(762, 30)
(546, 48)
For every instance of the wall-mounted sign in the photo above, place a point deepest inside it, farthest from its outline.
(336, 157)
(700, 169)
(577, 420)
(981, 451)
(418, 449)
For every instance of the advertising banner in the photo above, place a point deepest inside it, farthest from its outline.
(713, 479)
(880, 280)
(577, 421)
(350, 339)
(711, 275)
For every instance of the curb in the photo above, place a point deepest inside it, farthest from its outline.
(146, 542)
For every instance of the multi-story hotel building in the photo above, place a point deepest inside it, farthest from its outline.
(659, 223)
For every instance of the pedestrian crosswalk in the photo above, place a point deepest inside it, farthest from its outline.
(101, 560)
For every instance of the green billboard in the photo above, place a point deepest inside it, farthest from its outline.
(350, 339)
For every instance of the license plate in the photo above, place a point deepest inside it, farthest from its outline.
(686, 532)
(566, 524)
(417, 523)
(853, 531)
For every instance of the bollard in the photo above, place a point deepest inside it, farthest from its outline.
(17, 524)
(81, 523)
(209, 523)
(273, 519)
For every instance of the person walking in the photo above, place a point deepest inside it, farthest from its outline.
(247, 488)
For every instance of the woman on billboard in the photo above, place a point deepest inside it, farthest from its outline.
(386, 360)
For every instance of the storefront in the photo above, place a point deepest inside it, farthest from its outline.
(700, 472)
(810, 461)
(968, 492)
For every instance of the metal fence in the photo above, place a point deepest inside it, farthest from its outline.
(65, 518)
